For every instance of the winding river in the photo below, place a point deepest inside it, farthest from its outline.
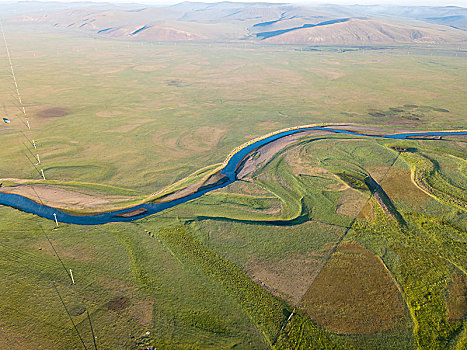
(27, 205)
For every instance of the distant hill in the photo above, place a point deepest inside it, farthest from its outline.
(451, 16)
(268, 22)
(355, 31)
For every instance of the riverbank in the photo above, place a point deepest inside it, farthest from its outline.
(223, 177)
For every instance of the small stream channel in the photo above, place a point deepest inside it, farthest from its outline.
(27, 205)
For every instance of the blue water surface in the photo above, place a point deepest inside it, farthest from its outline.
(230, 170)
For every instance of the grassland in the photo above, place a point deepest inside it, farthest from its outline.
(226, 270)
(120, 96)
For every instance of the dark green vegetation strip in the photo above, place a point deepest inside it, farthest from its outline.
(302, 333)
(265, 310)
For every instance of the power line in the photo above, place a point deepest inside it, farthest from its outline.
(69, 316)
(92, 330)
(55, 251)
(14, 76)
(36, 157)
(21, 105)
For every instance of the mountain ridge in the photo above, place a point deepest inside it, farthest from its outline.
(265, 22)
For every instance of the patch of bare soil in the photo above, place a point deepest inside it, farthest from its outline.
(456, 302)
(53, 112)
(212, 181)
(132, 213)
(286, 278)
(355, 294)
(125, 300)
(63, 198)
(265, 153)
(118, 304)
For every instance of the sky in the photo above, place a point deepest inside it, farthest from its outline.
(462, 3)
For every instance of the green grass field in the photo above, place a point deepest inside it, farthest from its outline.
(226, 270)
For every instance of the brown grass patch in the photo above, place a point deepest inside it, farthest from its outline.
(269, 124)
(142, 311)
(265, 153)
(399, 186)
(16, 337)
(378, 172)
(53, 112)
(126, 301)
(127, 128)
(202, 139)
(118, 304)
(354, 294)
(286, 278)
(328, 73)
(78, 251)
(149, 68)
(108, 114)
(456, 302)
(247, 188)
(350, 203)
(367, 212)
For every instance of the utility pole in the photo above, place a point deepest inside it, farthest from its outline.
(71, 275)
(92, 330)
(42, 173)
(56, 221)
